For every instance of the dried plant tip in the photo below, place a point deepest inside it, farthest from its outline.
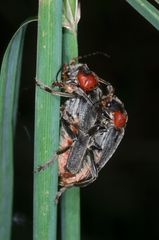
(70, 17)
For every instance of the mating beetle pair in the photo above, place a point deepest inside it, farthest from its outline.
(92, 125)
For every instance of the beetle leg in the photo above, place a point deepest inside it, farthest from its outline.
(46, 164)
(50, 90)
(57, 84)
(109, 87)
(52, 160)
(63, 150)
(59, 193)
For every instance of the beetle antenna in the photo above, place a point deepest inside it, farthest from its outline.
(92, 54)
(59, 71)
(81, 57)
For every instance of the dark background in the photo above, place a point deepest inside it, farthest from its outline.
(124, 201)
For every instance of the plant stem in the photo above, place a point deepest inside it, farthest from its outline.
(47, 119)
(70, 208)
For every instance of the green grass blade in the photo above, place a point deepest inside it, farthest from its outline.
(70, 214)
(9, 90)
(70, 208)
(47, 118)
(147, 10)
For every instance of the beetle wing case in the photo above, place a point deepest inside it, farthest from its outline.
(108, 141)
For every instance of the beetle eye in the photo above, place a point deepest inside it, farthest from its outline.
(109, 104)
(84, 69)
(114, 106)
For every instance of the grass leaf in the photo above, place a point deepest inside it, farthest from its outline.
(9, 90)
(47, 118)
(147, 10)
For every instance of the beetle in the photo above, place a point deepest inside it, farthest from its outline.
(81, 163)
(77, 80)
(92, 126)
